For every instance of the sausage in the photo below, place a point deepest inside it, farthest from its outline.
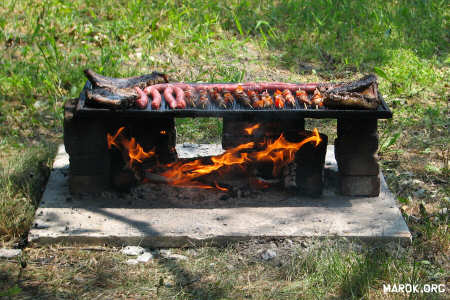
(256, 86)
(142, 100)
(179, 93)
(169, 97)
(156, 96)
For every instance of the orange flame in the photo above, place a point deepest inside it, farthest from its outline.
(219, 187)
(183, 173)
(163, 132)
(112, 139)
(134, 151)
(280, 152)
(251, 129)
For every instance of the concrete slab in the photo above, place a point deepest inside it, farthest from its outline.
(152, 216)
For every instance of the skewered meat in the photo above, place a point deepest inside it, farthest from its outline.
(179, 97)
(242, 97)
(142, 100)
(317, 98)
(168, 96)
(203, 100)
(254, 98)
(288, 97)
(279, 99)
(217, 98)
(228, 97)
(267, 99)
(156, 97)
(190, 96)
(302, 96)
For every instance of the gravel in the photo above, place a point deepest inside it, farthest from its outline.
(132, 250)
(145, 257)
(268, 254)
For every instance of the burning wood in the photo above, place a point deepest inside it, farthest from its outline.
(195, 173)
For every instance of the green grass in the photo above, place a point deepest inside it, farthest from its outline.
(336, 269)
(45, 45)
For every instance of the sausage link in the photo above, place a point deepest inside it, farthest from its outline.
(156, 96)
(142, 100)
(168, 96)
(179, 93)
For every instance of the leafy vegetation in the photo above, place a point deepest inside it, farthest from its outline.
(46, 44)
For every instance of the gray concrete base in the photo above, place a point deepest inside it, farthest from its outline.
(153, 217)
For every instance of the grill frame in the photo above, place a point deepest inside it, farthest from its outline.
(382, 112)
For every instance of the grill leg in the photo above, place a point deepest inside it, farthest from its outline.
(84, 140)
(356, 149)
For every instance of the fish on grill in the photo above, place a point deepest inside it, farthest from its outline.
(362, 93)
(351, 100)
(120, 92)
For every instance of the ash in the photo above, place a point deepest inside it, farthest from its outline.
(238, 194)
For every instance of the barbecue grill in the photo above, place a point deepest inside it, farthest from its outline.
(92, 165)
(236, 110)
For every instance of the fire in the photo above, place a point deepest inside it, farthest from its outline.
(280, 152)
(186, 174)
(163, 132)
(134, 151)
(251, 129)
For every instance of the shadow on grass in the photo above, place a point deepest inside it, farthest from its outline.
(189, 285)
(13, 288)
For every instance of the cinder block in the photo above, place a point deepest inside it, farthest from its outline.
(368, 186)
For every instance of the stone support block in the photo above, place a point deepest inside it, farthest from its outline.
(356, 149)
